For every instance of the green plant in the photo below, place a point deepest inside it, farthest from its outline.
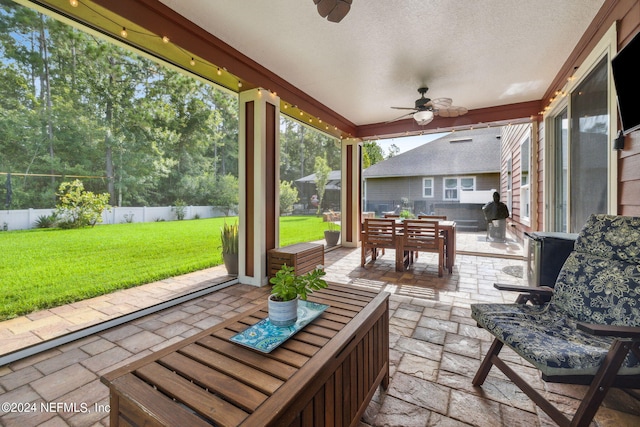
(180, 209)
(332, 221)
(79, 208)
(47, 221)
(406, 214)
(288, 196)
(322, 171)
(286, 285)
(229, 238)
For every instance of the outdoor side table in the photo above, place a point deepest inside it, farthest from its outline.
(326, 374)
(303, 257)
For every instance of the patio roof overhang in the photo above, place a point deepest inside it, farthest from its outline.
(192, 48)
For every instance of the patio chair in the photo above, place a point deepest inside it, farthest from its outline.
(423, 236)
(589, 332)
(377, 234)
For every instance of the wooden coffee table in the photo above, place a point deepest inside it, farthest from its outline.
(326, 374)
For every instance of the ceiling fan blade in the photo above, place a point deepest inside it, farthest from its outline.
(451, 111)
(401, 117)
(441, 102)
(404, 108)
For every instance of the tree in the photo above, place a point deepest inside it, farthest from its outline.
(371, 154)
(226, 194)
(79, 208)
(288, 196)
(393, 151)
(322, 170)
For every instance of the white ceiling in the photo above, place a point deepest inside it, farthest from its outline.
(480, 53)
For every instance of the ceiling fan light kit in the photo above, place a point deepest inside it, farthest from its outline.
(423, 117)
(425, 108)
(333, 10)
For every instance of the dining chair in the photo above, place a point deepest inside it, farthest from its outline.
(440, 217)
(377, 234)
(423, 235)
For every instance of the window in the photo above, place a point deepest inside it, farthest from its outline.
(453, 186)
(581, 172)
(427, 187)
(525, 193)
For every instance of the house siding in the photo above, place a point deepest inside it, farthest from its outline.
(627, 16)
(629, 158)
(512, 136)
(383, 194)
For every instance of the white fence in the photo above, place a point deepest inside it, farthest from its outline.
(22, 219)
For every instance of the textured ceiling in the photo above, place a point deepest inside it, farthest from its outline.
(480, 53)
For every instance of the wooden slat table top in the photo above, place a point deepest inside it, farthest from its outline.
(225, 382)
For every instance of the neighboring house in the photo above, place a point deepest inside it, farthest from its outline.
(453, 175)
(307, 188)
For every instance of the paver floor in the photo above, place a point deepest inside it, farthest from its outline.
(435, 346)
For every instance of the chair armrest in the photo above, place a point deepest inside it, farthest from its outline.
(610, 330)
(538, 290)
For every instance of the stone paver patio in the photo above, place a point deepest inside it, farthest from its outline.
(435, 346)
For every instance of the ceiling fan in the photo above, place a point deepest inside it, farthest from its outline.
(426, 108)
(333, 10)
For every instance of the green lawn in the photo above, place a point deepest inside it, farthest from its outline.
(45, 268)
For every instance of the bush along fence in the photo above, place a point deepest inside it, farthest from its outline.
(24, 219)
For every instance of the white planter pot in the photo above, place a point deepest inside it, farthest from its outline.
(283, 313)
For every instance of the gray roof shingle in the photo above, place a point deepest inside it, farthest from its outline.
(458, 153)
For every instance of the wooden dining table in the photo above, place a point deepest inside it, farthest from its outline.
(325, 374)
(448, 230)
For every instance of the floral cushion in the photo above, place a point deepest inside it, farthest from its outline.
(600, 280)
(599, 283)
(610, 236)
(548, 339)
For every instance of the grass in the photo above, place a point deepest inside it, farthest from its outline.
(46, 268)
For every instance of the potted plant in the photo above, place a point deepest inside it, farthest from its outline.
(287, 289)
(229, 237)
(332, 233)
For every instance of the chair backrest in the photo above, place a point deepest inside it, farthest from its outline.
(421, 234)
(392, 215)
(441, 217)
(379, 232)
(600, 280)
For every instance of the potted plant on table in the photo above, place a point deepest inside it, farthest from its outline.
(229, 237)
(287, 289)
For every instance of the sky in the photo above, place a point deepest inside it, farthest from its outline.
(407, 143)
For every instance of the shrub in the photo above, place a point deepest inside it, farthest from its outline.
(180, 209)
(79, 208)
(288, 196)
(47, 221)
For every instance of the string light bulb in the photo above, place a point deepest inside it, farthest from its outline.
(192, 62)
(73, 3)
(165, 39)
(124, 33)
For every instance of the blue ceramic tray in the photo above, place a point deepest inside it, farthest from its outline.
(264, 337)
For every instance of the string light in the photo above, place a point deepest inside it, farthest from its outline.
(124, 33)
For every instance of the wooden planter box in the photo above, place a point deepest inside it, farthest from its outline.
(303, 257)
